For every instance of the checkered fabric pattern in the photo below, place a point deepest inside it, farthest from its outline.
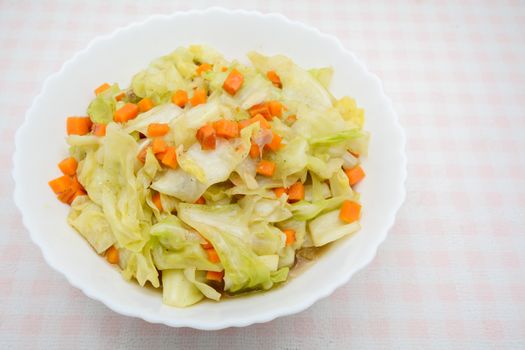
(451, 274)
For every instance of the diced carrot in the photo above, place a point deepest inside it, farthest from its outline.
(75, 184)
(350, 211)
(159, 145)
(226, 128)
(160, 155)
(156, 200)
(296, 192)
(212, 255)
(275, 144)
(266, 168)
(215, 276)
(201, 200)
(78, 125)
(60, 184)
(255, 151)
(276, 108)
(99, 129)
(233, 82)
(292, 118)
(262, 121)
(355, 175)
(290, 236)
(279, 191)
(224, 69)
(142, 154)
(120, 96)
(180, 98)
(243, 123)
(206, 137)
(79, 192)
(126, 112)
(170, 158)
(112, 255)
(68, 166)
(204, 67)
(157, 129)
(258, 118)
(67, 196)
(145, 105)
(199, 97)
(101, 88)
(67, 188)
(262, 109)
(274, 78)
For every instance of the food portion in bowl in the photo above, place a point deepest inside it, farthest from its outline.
(208, 177)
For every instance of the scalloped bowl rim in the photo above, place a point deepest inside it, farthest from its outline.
(302, 302)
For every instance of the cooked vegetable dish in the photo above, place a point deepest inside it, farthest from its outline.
(206, 177)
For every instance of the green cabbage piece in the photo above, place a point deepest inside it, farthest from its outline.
(173, 234)
(215, 81)
(163, 114)
(177, 290)
(191, 255)
(101, 109)
(322, 75)
(328, 227)
(314, 124)
(217, 193)
(257, 208)
(299, 227)
(359, 145)
(91, 174)
(80, 146)
(179, 184)
(179, 247)
(211, 167)
(340, 185)
(320, 190)
(298, 85)
(262, 186)
(304, 210)
(123, 199)
(206, 54)
(140, 266)
(247, 172)
(336, 138)
(265, 239)
(286, 257)
(196, 278)
(291, 158)
(324, 167)
(89, 220)
(280, 275)
(185, 126)
(159, 80)
(222, 226)
(349, 111)
(147, 173)
(271, 261)
(255, 89)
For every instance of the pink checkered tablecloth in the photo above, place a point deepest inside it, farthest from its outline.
(451, 274)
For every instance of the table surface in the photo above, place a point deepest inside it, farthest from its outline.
(451, 274)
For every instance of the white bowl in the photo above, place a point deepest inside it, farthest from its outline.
(115, 58)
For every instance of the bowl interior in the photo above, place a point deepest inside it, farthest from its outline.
(115, 58)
